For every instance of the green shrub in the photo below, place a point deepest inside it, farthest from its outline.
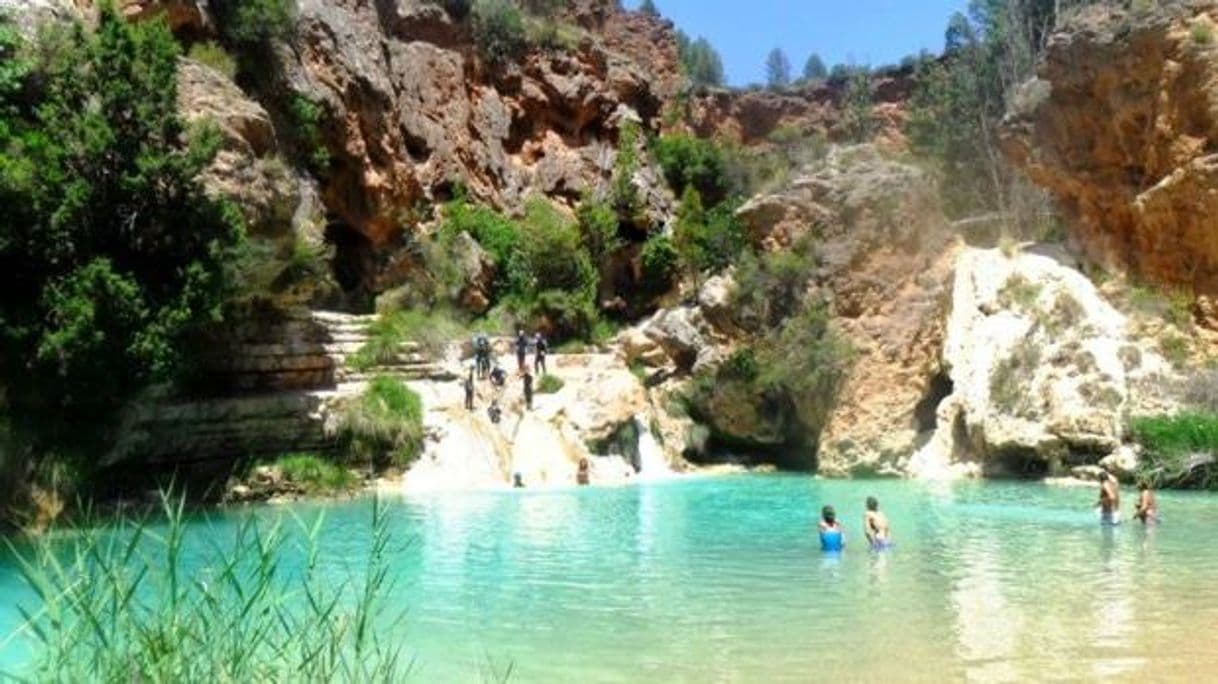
(390, 332)
(553, 35)
(251, 24)
(1019, 293)
(598, 227)
(384, 425)
(212, 55)
(497, 234)
(1011, 377)
(498, 30)
(624, 194)
(707, 240)
(649, 8)
(660, 265)
(172, 601)
(549, 384)
(771, 287)
(688, 161)
(111, 252)
(308, 118)
(1178, 450)
(315, 474)
(1176, 349)
(1202, 32)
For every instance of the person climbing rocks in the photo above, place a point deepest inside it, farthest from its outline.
(875, 526)
(498, 376)
(540, 349)
(482, 355)
(582, 475)
(1110, 500)
(522, 349)
(1147, 509)
(494, 412)
(469, 390)
(528, 389)
(832, 538)
(517, 480)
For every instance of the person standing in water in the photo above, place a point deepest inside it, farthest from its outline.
(1110, 500)
(875, 526)
(1147, 509)
(581, 476)
(832, 538)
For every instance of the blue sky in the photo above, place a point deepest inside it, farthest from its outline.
(871, 32)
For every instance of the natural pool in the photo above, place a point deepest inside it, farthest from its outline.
(721, 579)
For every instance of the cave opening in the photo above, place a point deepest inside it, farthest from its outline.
(926, 411)
(354, 259)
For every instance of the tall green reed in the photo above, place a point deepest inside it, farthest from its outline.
(132, 601)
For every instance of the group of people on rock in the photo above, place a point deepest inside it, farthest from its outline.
(486, 368)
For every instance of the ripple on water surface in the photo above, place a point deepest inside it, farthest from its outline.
(721, 579)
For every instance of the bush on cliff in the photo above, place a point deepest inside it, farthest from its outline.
(253, 24)
(707, 239)
(776, 392)
(315, 474)
(694, 162)
(499, 31)
(1179, 450)
(110, 251)
(384, 425)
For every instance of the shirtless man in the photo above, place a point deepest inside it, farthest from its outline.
(1147, 509)
(875, 525)
(1110, 500)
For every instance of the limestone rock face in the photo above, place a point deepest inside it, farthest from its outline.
(1120, 126)
(1044, 372)
(411, 108)
(752, 116)
(886, 264)
(246, 169)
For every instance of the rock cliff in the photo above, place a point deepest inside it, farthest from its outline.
(1044, 371)
(1121, 126)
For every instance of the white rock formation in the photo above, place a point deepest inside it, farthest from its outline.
(1044, 371)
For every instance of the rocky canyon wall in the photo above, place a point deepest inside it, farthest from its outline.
(1121, 126)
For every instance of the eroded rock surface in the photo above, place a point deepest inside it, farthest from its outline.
(1044, 371)
(885, 268)
(1121, 126)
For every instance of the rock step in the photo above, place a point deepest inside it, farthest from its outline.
(420, 372)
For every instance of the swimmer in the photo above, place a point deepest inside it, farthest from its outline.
(582, 475)
(832, 538)
(875, 526)
(1147, 509)
(1110, 500)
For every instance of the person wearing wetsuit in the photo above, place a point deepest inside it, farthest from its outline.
(522, 348)
(540, 348)
(528, 390)
(469, 390)
(875, 526)
(482, 355)
(498, 376)
(1110, 500)
(1147, 509)
(832, 538)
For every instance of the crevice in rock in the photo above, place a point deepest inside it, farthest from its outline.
(1016, 462)
(926, 411)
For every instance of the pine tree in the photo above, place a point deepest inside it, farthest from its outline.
(777, 69)
(814, 69)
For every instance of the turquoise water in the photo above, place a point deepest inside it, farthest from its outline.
(721, 579)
